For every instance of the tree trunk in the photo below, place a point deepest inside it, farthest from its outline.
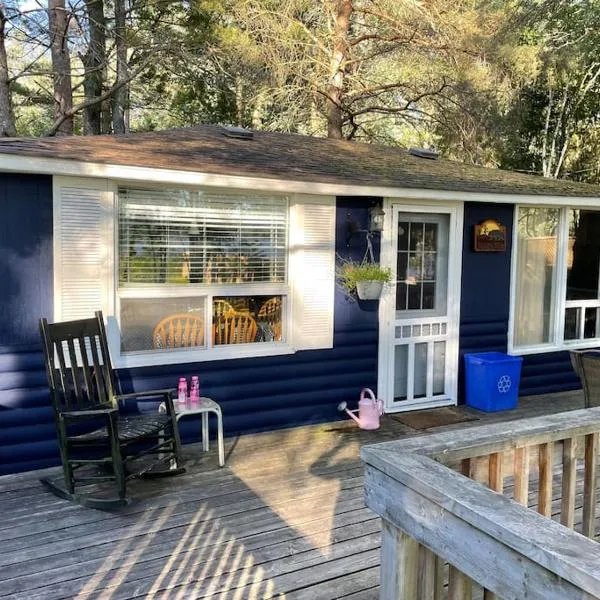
(239, 101)
(339, 56)
(121, 94)
(7, 117)
(94, 62)
(58, 22)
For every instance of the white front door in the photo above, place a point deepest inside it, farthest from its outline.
(419, 312)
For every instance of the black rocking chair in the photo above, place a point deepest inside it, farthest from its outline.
(99, 442)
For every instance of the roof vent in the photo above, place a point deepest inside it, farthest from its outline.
(239, 133)
(424, 153)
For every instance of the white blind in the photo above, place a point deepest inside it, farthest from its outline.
(313, 251)
(187, 236)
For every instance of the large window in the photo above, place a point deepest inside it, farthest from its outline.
(200, 269)
(556, 277)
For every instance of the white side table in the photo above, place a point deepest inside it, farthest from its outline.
(203, 407)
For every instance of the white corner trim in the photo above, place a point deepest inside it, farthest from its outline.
(56, 166)
(512, 283)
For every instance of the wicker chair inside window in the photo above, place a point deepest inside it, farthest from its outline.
(586, 364)
(98, 442)
(221, 308)
(234, 328)
(270, 314)
(183, 330)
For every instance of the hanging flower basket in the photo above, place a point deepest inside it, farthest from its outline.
(365, 280)
(369, 289)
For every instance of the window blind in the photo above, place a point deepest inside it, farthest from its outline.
(186, 236)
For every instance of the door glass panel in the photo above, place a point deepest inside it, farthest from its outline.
(420, 371)
(401, 296)
(400, 373)
(431, 234)
(414, 296)
(403, 236)
(428, 296)
(439, 367)
(417, 235)
(422, 265)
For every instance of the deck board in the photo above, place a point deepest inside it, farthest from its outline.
(285, 518)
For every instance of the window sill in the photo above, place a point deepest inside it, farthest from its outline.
(566, 346)
(177, 357)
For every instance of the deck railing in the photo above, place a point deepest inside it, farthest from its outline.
(460, 497)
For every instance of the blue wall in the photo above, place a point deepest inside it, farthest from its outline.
(255, 394)
(485, 305)
(27, 438)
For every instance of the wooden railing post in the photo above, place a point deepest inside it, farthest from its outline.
(521, 469)
(431, 576)
(460, 586)
(399, 564)
(569, 479)
(496, 483)
(496, 472)
(589, 485)
(545, 461)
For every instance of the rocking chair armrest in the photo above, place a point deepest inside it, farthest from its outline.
(86, 414)
(148, 394)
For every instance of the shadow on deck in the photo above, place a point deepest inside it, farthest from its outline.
(285, 518)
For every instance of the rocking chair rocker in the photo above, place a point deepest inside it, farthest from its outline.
(92, 431)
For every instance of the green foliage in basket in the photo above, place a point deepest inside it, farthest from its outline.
(349, 272)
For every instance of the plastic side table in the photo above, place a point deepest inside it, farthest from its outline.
(203, 407)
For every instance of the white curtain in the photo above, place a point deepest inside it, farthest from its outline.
(536, 262)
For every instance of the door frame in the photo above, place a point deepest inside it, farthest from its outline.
(387, 309)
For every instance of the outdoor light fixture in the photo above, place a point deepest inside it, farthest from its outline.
(375, 225)
(376, 216)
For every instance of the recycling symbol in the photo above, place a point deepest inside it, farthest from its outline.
(504, 384)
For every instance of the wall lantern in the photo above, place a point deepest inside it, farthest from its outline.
(376, 216)
(375, 225)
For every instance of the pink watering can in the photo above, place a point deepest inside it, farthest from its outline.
(369, 410)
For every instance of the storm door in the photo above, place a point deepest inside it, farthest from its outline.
(421, 308)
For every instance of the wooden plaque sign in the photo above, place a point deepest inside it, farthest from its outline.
(490, 236)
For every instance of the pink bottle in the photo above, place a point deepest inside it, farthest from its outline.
(195, 390)
(182, 391)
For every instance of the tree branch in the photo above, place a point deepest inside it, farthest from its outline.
(91, 101)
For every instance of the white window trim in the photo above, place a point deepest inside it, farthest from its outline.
(558, 344)
(208, 352)
(207, 292)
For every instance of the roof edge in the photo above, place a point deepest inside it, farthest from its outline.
(13, 163)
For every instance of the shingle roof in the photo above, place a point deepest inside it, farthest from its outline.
(206, 149)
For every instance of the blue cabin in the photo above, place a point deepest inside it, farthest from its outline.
(214, 254)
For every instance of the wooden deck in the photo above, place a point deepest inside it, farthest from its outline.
(285, 519)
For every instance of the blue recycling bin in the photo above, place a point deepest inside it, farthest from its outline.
(492, 380)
